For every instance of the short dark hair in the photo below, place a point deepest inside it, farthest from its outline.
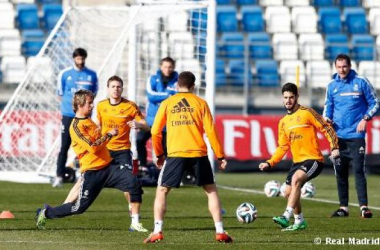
(79, 98)
(114, 78)
(186, 79)
(341, 57)
(80, 52)
(290, 87)
(168, 59)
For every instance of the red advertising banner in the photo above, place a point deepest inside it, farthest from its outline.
(255, 137)
(243, 137)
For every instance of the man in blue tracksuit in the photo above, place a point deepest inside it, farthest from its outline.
(350, 104)
(158, 88)
(70, 80)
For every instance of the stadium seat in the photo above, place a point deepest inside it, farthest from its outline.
(252, 19)
(277, 19)
(7, 15)
(329, 20)
(10, 42)
(181, 45)
(223, 2)
(374, 20)
(322, 3)
(271, 2)
(285, 46)
(40, 62)
(27, 17)
(51, 15)
(371, 3)
(355, 20)
(232, 45)
(363, 47)
(304, 19)
(318, 73)
(49, 1)
(238, 71)
(220, 73)
(349, 3)
(370, 70)
(266, 73)
(260, 46)
(22, 1)
(335, 45)
(293, 3)
(13, 68)
(199, 19)
(311, 46)
(246, 2)
(288, 71)
(177, 21)
(226, 18)
(194, 65)
(32, 42)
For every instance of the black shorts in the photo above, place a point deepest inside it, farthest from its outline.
(312, 168)
(172, 171)
(122, 157)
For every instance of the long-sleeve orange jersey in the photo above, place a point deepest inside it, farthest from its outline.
(89, 145)
(298, 131)
(186, 117)
(116, 116)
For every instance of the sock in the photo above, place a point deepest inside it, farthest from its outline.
(361, 207)
(298, 218)
(344, 208)
(135, 219)
(219, 227)
(158, 226)
(288, 212)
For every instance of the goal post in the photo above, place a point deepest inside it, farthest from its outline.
(126, 41)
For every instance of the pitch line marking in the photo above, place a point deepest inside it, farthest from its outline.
(253, 191)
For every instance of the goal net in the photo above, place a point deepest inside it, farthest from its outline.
(126, 41)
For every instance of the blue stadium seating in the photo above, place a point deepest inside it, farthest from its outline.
(329, 20)
(52, 13)
(349, 3)
(226, 19)
(355, 20)
(336, 44)
(223, 2)
(246, 2)
(363, 47)
(320, 3)
(197, 15)
(232, 45)
(267, 74)
(49, 1)
(238, 71)
(260, 46)
(32, 42)
(252, 19)
(27, 17)
(220, 76)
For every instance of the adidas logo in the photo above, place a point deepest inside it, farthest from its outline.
(182, 106)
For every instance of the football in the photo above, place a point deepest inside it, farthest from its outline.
(308, 190)
(246, 212)
(282, 189)
(272, 188)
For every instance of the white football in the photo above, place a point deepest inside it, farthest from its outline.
(272, 188)
(308, 190)
(282, 189)
(246, 212)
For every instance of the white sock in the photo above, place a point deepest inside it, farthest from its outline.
(288, 212)
(361, 208)
(344, 208)
(158, 226)
(219, 227)
(135, 219)
(298, 218)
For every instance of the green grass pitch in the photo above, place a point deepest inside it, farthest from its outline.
(188, 224)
